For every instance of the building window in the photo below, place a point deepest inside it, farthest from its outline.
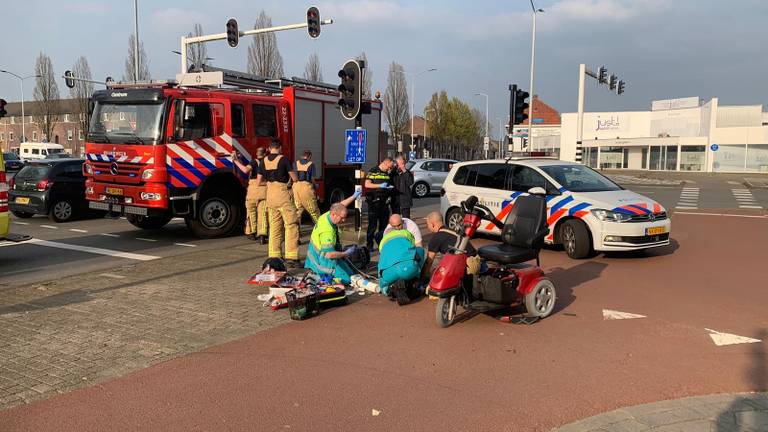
(692, 158)
(80, 134)
(10, 136)
(66, 118)
(13, 120)
(2, 136)
(69, 135)
(34, 136)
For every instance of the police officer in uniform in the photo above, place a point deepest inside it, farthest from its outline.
(304, 190)
(378, 191)
(277, 172)
(255, 199)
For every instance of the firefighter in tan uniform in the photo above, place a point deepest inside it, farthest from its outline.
(276, 171)
(304, 190)
(255, 198)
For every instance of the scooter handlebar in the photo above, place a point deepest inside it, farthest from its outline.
(489, 216)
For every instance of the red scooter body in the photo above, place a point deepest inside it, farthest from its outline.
(451, 284)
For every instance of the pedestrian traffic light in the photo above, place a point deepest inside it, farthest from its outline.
(68, 79)
(350, 89)
(3, 112)
(233, 34)
(520, 106)
(621, 87)
(602, 75)
(313, 22)
(612, 82)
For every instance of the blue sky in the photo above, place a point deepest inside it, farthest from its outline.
(661, 48)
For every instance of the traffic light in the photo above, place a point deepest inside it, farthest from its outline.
(3, 112)
(621, 87)
(602, 75)
(350, 89)
(525, 142)
(520, 106)
(612, 82)
(313, 22)
(68, 79)
(233, 34)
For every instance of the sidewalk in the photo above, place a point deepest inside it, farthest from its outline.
(741, 412)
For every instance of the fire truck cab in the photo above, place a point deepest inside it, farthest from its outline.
(156, 151)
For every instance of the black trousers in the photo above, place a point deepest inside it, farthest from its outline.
(378, 218)
(405, 212)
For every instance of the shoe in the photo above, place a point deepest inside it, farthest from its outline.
(263, 239)
(250, 236)
(400, 293)
(292, 263)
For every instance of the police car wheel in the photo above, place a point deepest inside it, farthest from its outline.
(574, 236)
(455, 220)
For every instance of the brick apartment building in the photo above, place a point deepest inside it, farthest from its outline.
(67, 132)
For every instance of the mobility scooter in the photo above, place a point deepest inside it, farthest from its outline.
(508, 281)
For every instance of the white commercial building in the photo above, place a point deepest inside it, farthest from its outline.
(675, 135)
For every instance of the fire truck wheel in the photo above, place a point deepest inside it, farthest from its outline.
(146, 222)
(217, 216)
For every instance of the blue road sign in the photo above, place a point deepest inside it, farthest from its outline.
(714, 147)
(355, 146)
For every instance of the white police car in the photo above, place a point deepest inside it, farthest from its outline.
(586, 211)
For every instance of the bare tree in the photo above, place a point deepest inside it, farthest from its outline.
(396, 101)
(130, 61)
(82, 92)
(367, 76)
(197, 54)
(46, 94)
(313, 71)
(264, 57)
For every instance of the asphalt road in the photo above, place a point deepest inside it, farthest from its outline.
(67, 249)
(90, 245)
(376, 366)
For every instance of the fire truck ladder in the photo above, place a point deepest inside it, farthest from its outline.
(245, 80)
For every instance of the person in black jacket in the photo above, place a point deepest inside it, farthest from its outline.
(402, 180)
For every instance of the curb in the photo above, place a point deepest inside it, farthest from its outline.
(743, 412)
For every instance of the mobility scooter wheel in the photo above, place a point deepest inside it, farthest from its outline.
(445, 313)
(541, 300)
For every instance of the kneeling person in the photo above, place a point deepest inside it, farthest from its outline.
(324, 255)
(400, 265)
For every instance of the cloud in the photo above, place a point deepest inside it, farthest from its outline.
(176, 20)
(604, 10)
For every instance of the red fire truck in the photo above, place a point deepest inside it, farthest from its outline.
(161, 150)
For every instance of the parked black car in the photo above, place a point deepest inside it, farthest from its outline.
(54, 187)
(12, 162)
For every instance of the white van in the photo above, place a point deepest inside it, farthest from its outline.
(35, 150)
(585, 211)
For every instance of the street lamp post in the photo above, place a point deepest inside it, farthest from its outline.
(21, 80)
(533, 65)
(424, 129)
(413, 100)
(485, 145)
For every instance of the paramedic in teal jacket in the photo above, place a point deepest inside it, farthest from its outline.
(400, 262)
(324, 255)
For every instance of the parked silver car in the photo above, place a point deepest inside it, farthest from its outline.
(429, 175)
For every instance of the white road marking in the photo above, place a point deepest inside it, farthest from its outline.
(113, 276)
(721, 214)
(750, 206)
(21, 223)
(78, 230)
(48, 226)
(689, 199)
(185, 244)
(616, 315)
(145, 239)
(109, 235)
(89, 249)
(721, 339)
(745, 199)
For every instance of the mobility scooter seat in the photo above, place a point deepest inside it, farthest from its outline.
(523, 233)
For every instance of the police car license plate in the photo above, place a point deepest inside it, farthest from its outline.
(114, 191)
(655, 230)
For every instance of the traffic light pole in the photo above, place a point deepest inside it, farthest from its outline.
(223, 36)
(600, 77)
